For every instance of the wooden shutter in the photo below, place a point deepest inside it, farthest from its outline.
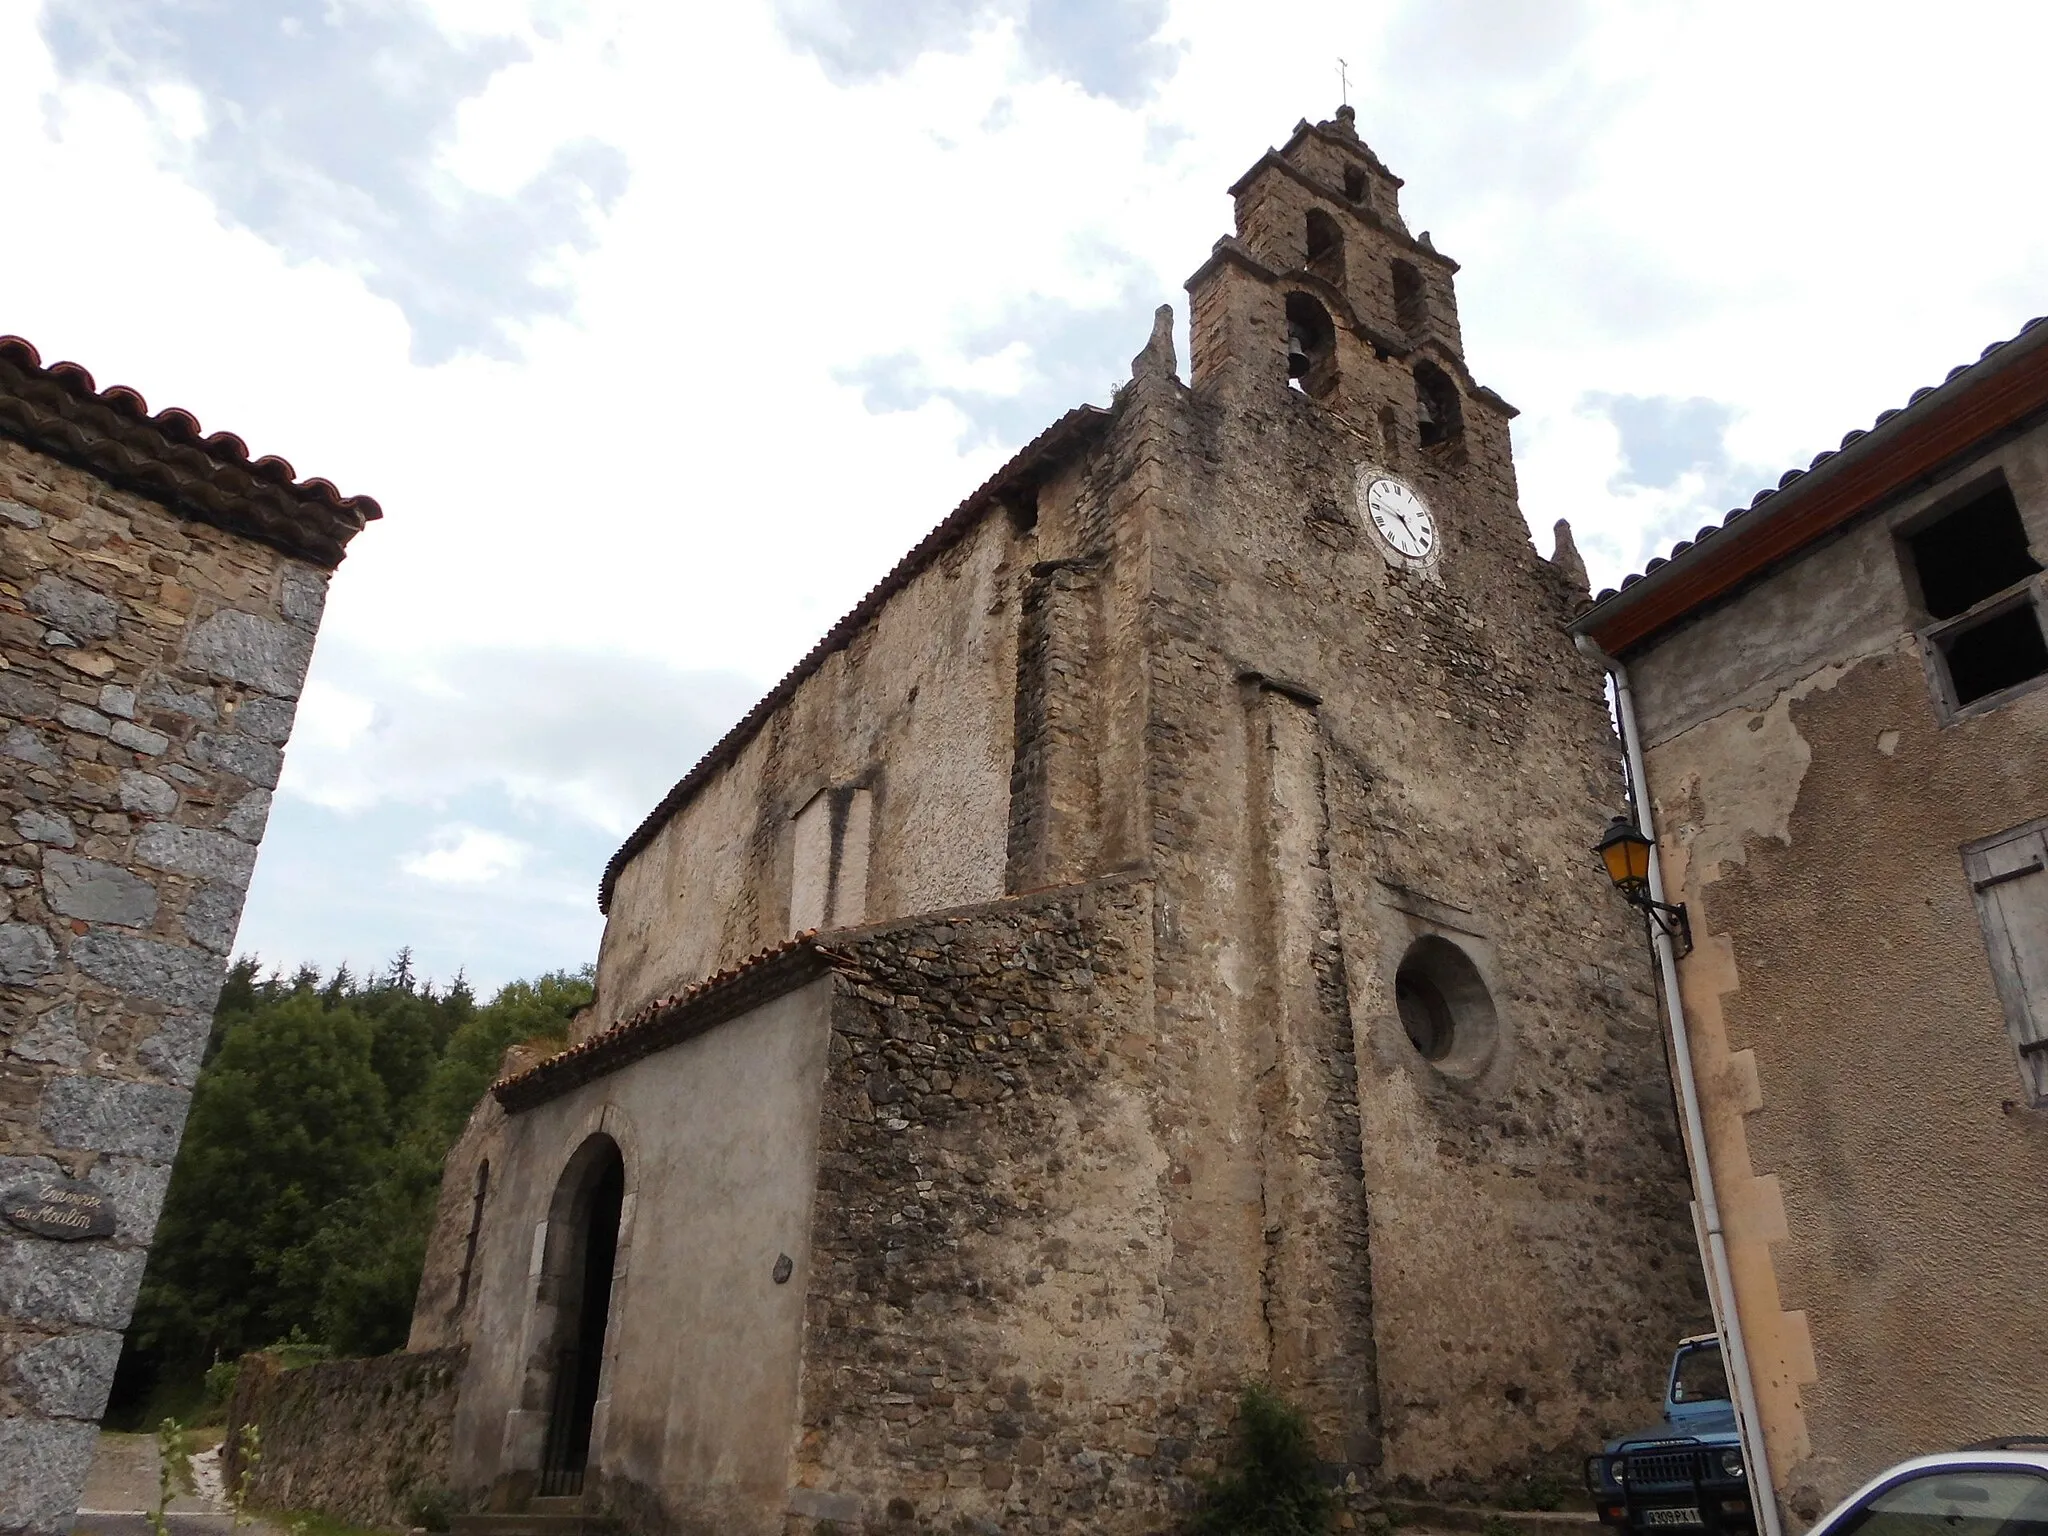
(2010, 876)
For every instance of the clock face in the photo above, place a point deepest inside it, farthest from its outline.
(1401, 518)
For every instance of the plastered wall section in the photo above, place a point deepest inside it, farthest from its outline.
(919, 710)
(149, 671)
(1443, 768)
(718, 1137)
(1884, 1186)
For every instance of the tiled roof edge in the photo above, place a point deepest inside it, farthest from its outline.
(760, 978)
(668, 1021)
(1797, 485)
(58, 410)
(1064, 433)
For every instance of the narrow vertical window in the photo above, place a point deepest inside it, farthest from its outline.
(1325, 247)
(1439, 415)
(476, 1226)
(1355, 185)
(1411, 303)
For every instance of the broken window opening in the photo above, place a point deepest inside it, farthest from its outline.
(1974, 552)
(1439, 416)
(1325, 247)
(1975, 575)
(1994, 653)
(1311, 346)
(1411, 307)
(1356, 187)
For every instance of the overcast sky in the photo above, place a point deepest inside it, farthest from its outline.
(661, 330)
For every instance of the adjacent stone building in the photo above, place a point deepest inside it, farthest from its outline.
(159, 596)
(1838, 698)
(1149, 944)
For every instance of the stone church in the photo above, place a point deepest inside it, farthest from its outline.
(1150, 944)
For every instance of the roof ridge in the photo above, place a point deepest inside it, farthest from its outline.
(637, 1034)
(1068, 427)
(1786, 480)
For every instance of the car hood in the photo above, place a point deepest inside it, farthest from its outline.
(1712, 1426)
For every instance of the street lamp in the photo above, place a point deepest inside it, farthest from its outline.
(1626, 853)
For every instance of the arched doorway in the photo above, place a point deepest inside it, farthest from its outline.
(585, 1223)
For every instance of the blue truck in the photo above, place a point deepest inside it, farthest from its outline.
(1687, 1472)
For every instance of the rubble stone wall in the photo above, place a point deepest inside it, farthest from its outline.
(365, 1441)
(150, 665)
(986, 1337)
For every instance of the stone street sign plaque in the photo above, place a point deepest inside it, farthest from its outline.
(61, 1208)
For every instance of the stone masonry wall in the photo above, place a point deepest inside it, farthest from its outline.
(150, 666)
(986, 1339)
(365, 1441)
(1427, 759)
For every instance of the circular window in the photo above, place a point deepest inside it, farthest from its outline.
(1445, 1009)
(1424, 1014)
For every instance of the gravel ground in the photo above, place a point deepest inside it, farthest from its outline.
(122, 1487)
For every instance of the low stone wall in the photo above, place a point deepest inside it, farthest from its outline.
(361, 1440)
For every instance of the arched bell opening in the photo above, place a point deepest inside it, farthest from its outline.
(582, 1254)
(1439, 412)
(1411, 299)
(1311, 346)
(1325, 248)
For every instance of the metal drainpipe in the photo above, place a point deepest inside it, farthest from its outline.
(1728, 1316)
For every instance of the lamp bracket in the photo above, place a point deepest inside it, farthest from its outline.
(1670, 918)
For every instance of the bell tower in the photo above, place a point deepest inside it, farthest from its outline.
(1323, 289)
(1376, 766)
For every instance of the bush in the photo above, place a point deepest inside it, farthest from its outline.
(1272, 1485)
(295, 1350)
(219, 1386)
(431, 1508)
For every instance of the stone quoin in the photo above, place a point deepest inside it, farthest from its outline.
(159, 596)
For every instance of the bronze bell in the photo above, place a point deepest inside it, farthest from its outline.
(1297, 353)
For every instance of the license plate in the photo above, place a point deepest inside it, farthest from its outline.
(1686, 1516)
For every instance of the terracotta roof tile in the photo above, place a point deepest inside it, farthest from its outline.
(1926, 391)
(670, 1020)
(1078, 424)
(211, 478)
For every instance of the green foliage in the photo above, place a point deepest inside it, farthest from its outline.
(1543, 1491)
(248, 1455)
(173, 1471)
(432, 1509)
(218, 1387)
(305, 1188)
(1272, 1485)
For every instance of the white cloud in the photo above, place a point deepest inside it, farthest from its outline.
(468, 856)
(819, 313)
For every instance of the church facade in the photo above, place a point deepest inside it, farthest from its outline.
(1149, 945)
